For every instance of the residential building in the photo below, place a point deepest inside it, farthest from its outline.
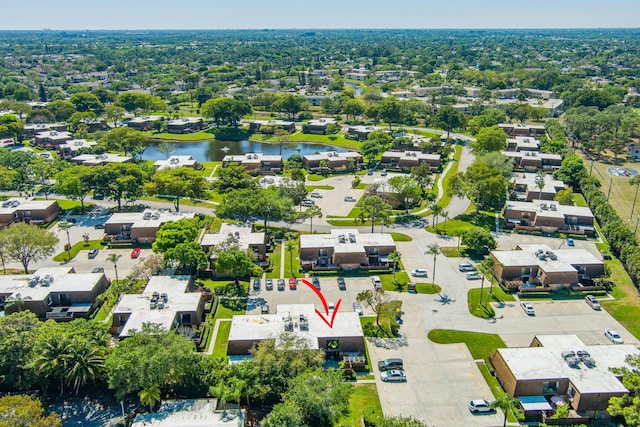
(100, 159)
(270, 126)
(360, 132)
(185, 125)
(319, 126)
(31, 130)
(255, 163)
(191, 413)
(523, 143)
(302, 321)
(174, 162)
(316, 100)
(27, 210)
(549, 217)
(542, 377)
(538, 266)
(527, 188)
(534, 160)
(332, 161)
(167, 301)
(520, 129)
(52, 138)
(140, 227)
(406, 160)
(633, 151)
(345, 249)
(242, 236)
(94, 124)
(69, 148)
(360, 75)
(143, 122)
(53, 293)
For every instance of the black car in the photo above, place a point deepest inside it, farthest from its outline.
(268, 284)
(256, 284)
(93, 253)
(342, 284)
(388, 364)
(316, 282)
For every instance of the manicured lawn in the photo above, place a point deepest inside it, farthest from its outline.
(399, 237)
(274, 257)
(337, 140)
(315, 177)
(466, 221)
(183, 201)
(222, 339)
(292, 261)
(451, 252)
(75, 249)
(427, 288)
(319, 187)
(187, 137)
(626, 307)
(495, 387)
(486, 312)
(387, 320)
(480, 345)
(364, 402)
(399, 284)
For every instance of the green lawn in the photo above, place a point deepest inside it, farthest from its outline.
(399, 237)
(364, 402)
(315, 177)
(177, 137)
(486, 311)
(397, 284)
(76, 248)
(222, 339)
(626, 307)
(496, 388)
(337, 140)
(292, 261)
(480, 345)
(427, 288)
(274, 257)
(466, 221)
(319, 187)
(387, 321)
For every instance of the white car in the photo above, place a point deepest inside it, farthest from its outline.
(393, 375)
(316, 195)
(357, 307)
(474, 275)
(419, 272)
(528, 308)
(613, 336)
(349, 199)
(466, 266)
(593, 302)
(480, 405)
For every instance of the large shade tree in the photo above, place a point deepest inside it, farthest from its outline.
(179, 183)
(26, 243)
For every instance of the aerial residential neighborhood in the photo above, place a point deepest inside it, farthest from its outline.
(318, 227)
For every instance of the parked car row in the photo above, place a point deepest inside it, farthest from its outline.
(293, 284)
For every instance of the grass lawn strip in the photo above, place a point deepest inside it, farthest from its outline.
(76, 248)
(222, 339)
(480, 345)
(364, 402)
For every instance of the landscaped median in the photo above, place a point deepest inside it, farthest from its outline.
(76, 248)
(489, 295)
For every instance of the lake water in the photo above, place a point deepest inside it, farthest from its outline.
(214, 151)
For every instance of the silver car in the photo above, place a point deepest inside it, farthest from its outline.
(394, 375)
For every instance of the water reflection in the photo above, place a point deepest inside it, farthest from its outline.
(213, 151)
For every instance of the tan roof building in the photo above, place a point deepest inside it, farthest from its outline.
(28, 210)
(549, 217)
(139, 227)
(409, 159)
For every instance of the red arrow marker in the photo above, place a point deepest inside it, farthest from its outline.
(325, 316)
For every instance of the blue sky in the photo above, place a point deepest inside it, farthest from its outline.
(217, 14)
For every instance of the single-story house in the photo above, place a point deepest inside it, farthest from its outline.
(360, 132)
(53, 293)
(28, 210)
(139, 227)
(523, 143)
(332, 161)
(174, 162)
(543, 371)
(408, 159)
(68, 149)
(167, 301)
(300, 320)
(347, 249)
(255, 163)
(185, 125)
(530, 266)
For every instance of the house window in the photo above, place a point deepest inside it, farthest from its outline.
(525, 271)
(185, 318)
(323, 252)
(571, 392)
(550, 388)
(374, 251)
(582, 269)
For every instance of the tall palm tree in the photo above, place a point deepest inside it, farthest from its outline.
(394, 257)
(434, 250)
(114, 259)
(445, 215)
(85, 363)
(290, 246)
(435, 210)
(486, 269)
(540, 175)
(52, 358)
(150, 395)
(506, 403)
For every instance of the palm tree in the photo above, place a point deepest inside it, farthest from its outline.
(84, 364)
(313, 211)
(486, 269)
(634, 181)
(445, 215)
(150, 395)
(434, 250)
(506, 403)
(52, 358)
(114, 259)
(248, 384)
(15, 301)
(540, 182)
(394, 257)
(435, 210)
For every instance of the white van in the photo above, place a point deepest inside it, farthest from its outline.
(377, 283)
(466, 266)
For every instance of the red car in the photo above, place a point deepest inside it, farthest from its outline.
(135, 253)
(293, 284)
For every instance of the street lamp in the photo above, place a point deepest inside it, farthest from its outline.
(66, 226)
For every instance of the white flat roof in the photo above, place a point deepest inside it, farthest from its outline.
(96, 159)
(547, 363)
(333, 239)
(179, 300)
(526, 256)
(243, 235)
(252, 158)
(175, 162)
(184, 120)
(191, 413)
(321, 122)
(154, 218)
(257, 327)
(39, 285)
(533, 155)
(144, 119)
(332, 155)
(411, 155)
(543, 208)
(21, 204)
(551, 185)
(76, 144)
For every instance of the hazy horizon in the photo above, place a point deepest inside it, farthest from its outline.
(145, 15)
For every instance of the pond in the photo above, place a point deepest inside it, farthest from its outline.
(214, 151)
